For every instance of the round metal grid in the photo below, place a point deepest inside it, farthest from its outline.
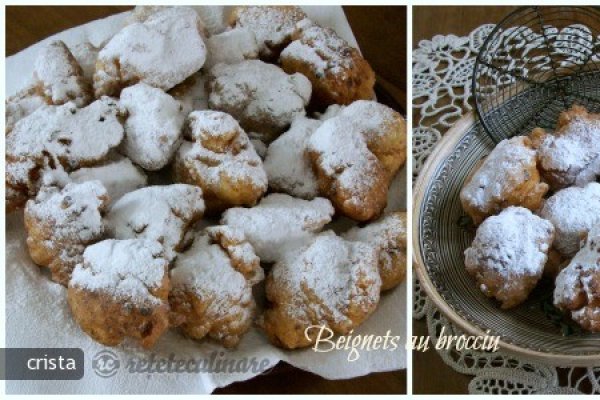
(541, 60)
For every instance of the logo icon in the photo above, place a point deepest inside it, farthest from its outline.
(105, 363)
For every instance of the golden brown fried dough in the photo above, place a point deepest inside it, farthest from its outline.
(388, 235)
(336, 70)
(355, 156)
(331, 283)
(61, 223)
(508, 255)
(507, 177)
(121, 291)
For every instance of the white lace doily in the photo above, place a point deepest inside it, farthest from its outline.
(442, 69)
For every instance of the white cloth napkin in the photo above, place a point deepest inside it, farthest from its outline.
(38, 314)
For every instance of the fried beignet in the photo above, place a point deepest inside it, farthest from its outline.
(330, 282)
(159, 213)
(571, 155)
(355, 156)
(273, 26)
(162, 51)
(508, 255)
(262, 97)
(121, 290)
(573, 212)
(231, 47)
(53, 137)
(60, 224)
(577, 288)
(153, 127)
(388, 235)
(507, 177)
(279, 223)
(336, 70)
(59, 76)
(212, 286)
(218, 157)
(287, 163)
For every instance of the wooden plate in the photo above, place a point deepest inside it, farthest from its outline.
(440, 236)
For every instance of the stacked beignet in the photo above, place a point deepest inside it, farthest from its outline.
(553, 175)
(117, 155)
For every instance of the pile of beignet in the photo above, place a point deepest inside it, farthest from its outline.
(536, 202)
(166, 173)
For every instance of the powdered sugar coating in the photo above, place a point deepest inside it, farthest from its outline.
(21, 105)
(86, 55)
(205, 271)
(513, 243)
(162, 51)
(67, 135)
(231, 47)
(279, 223)
(329, 282)
(60, 77)
(158, 213)
(288, 166)
(573, 211)
(262, 97)
(128, 270)
(572, 156)
(273, 26)
(508, 254)
(153, 127)
(74, 212)
(221, 160)
(388, 235)
(577, 289)
(355, 155)
(119, 176)
(508, 176)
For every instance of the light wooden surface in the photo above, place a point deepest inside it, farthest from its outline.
(386, 53)
(430, 374)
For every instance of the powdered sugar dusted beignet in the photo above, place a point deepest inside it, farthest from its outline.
(507, 177)
(59, 76)
(58, 136)
(61, 223)
(153, 126)
(388, 235)
(211, 283)
(21, 105)
(118, 176)
(279, 223)
(571, 155)
(336, 70)
(356, 154)
(577, 288)
(273, 26)
(573, 212)
(159, 213)
(508, 255)
(218, 157)
(262, 97)
(330, 282)
(121, 290)
(86, 55)
(287, 163)
(67, 135)
(231, 47)
(162, 51)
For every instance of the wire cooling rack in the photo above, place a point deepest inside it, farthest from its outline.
(536, 63)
